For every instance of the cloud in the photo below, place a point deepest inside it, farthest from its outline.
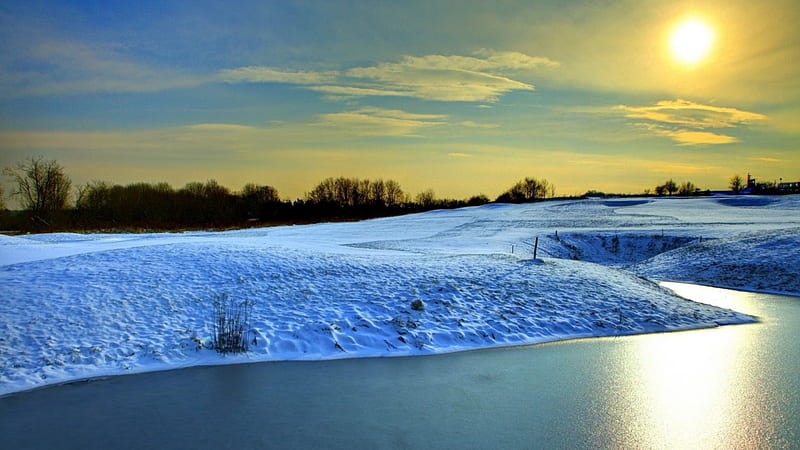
(696, 115)
(68, 67)
(438, 77)
(687, 122)
(459, 155)
(346, 92)
(515, 60)
(372, 121)
(263, 74)
(689, 137)
(484, 77)
(471, 124)
(484, 61)
(220, 127)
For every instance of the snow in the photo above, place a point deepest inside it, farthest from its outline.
(78, 306)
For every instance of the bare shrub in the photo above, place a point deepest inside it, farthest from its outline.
(231, 324)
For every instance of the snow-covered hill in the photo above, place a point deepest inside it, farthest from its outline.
(78, 306)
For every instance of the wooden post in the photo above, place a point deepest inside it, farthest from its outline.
(535, 246)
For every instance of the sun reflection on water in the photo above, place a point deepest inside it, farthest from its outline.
(687, 381)
(697, 389)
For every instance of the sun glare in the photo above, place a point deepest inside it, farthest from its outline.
(691, 41)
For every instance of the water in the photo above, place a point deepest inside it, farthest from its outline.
(732, 387)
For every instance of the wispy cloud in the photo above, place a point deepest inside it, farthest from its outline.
(692, 137)
(514, 60)
(442, 78)
(219, 127)
(472, 124)
(687, 122)
(336, 92)
(696, 115)
(484, 77)
(69, 67)
(371, 121)
(263, 74)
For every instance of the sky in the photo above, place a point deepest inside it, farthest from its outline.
(462, 97)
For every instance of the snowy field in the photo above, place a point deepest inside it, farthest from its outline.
(77, 306)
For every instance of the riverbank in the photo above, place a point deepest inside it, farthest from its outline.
(724, 387)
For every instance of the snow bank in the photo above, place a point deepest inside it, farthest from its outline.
(765, 261)
(89, 305)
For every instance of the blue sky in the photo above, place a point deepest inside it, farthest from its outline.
(462, 97)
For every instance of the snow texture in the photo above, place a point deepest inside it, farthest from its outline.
(77, 306)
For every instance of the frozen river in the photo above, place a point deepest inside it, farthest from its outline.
(734, 386)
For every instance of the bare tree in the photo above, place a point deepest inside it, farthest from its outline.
(349, 192)
(323, 192)
(41, 185)
(260, 194)
(394, 194)
(687, 188)
(426, 198)
(259, 201)
(377, 193)
(671, 186)
(528, 190)
(736, 183)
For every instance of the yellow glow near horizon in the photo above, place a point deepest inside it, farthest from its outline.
(691, 40)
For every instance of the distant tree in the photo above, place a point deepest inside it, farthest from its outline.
(393, 193)
(259, 201)
(591, 193)
(671, 187)
(477, 200)
(206, 203)
(687, 188)
(736, 183)
(93, 197)
(426, 198)
(528, 190)
(668, 188)
(261, 194)
(2, 200)
(322, 192)
(41, 185)
(140, 204)
(376, 193)
(354, 192)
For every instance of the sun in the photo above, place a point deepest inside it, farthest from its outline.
(691, 41)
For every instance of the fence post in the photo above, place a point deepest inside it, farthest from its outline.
(535, 246)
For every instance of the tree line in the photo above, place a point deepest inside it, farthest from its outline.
(736, 185)
(670, 187)
(44, 191)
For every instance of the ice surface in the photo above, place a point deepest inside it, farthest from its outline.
(78, 306)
